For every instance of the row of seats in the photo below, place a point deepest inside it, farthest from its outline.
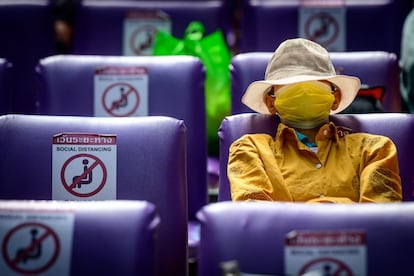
(95, 21)
(78, 238)
(56, 93)
(247, 21)
(120, 238)
(42, 161)
(99, 28)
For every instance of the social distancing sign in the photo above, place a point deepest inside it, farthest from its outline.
(326, 253)
(36, 243)
(84, 166)
(140, 29)
(325, 25)
(121, 92)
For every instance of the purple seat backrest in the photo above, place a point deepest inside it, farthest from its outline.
(5, 86)
(150, 157)
(108, 237)
(254, 234)
(175, 88)
(27, 34)
(397, 126)
(99, 25)
(373, 68)
(363, 32)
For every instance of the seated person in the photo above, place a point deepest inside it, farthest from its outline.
(310, 159)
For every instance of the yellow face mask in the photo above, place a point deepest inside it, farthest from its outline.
(304, 105)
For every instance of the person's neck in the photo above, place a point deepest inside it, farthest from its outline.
(310, 133)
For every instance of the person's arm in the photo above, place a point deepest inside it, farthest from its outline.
(253, 172)
(379, 179)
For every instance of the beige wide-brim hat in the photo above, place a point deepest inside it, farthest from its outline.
(298, 60)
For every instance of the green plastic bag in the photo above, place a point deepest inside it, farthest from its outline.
(213, 52)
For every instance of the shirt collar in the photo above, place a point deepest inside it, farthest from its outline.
(326, 131)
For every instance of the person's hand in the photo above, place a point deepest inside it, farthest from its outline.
(63, 32)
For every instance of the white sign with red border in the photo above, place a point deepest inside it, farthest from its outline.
(140, 29)
(121, 92)
(325, 25)
(84, 166)
(326, 253)
(36, 243)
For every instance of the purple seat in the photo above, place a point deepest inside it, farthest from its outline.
(373, 68)
(397, 126)
(5, 86)
(363, 31)
(27, 33)
(104, 237)
(254, 234)
(150, 165)
(99, 25)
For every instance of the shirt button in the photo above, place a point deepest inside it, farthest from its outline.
(318, 166)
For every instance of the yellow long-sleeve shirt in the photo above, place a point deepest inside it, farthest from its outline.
(357, 167)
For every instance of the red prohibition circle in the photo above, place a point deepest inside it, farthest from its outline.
(331, 22)
(131, 89)
(69, 187)
(341, 266)
(13, 263)
(146, 28)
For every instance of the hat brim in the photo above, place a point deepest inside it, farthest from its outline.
(254, 95)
